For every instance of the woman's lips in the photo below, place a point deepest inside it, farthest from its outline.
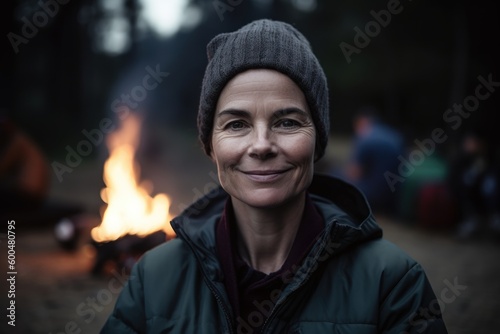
(264, 176)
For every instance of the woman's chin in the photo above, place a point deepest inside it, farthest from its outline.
(265, 198)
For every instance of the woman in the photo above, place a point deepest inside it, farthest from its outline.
(277, 249)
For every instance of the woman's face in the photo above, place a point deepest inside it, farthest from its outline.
(263, 139)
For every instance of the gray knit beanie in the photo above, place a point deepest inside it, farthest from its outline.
(264, 44)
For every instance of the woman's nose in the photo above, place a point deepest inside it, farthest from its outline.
(262, 144)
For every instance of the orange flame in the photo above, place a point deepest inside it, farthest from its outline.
(130, 209)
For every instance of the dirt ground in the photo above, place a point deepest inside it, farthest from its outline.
(55, 292)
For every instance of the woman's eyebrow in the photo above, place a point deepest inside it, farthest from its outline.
(233, 112)
(277, 114)
(288, 111)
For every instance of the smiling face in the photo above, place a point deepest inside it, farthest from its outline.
(263, 139)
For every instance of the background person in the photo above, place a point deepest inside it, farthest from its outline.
(377, 147)
(475, 182)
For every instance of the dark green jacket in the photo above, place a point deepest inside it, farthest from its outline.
(352, 281)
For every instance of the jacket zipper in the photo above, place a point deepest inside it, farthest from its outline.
(207, 280)
(221, 303)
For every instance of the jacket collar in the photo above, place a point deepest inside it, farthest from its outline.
(342, 205)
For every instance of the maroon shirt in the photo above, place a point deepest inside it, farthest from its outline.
(252, 293)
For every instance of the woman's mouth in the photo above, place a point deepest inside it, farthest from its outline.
(265, 175)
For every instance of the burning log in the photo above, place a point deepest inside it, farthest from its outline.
(124, 252)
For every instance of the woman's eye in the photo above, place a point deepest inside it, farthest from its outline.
(288, 123)
(235, 125)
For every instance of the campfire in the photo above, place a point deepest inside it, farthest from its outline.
(133, 221)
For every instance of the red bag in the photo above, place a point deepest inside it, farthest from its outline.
(435, 207)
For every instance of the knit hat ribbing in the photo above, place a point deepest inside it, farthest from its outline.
(264, 44)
